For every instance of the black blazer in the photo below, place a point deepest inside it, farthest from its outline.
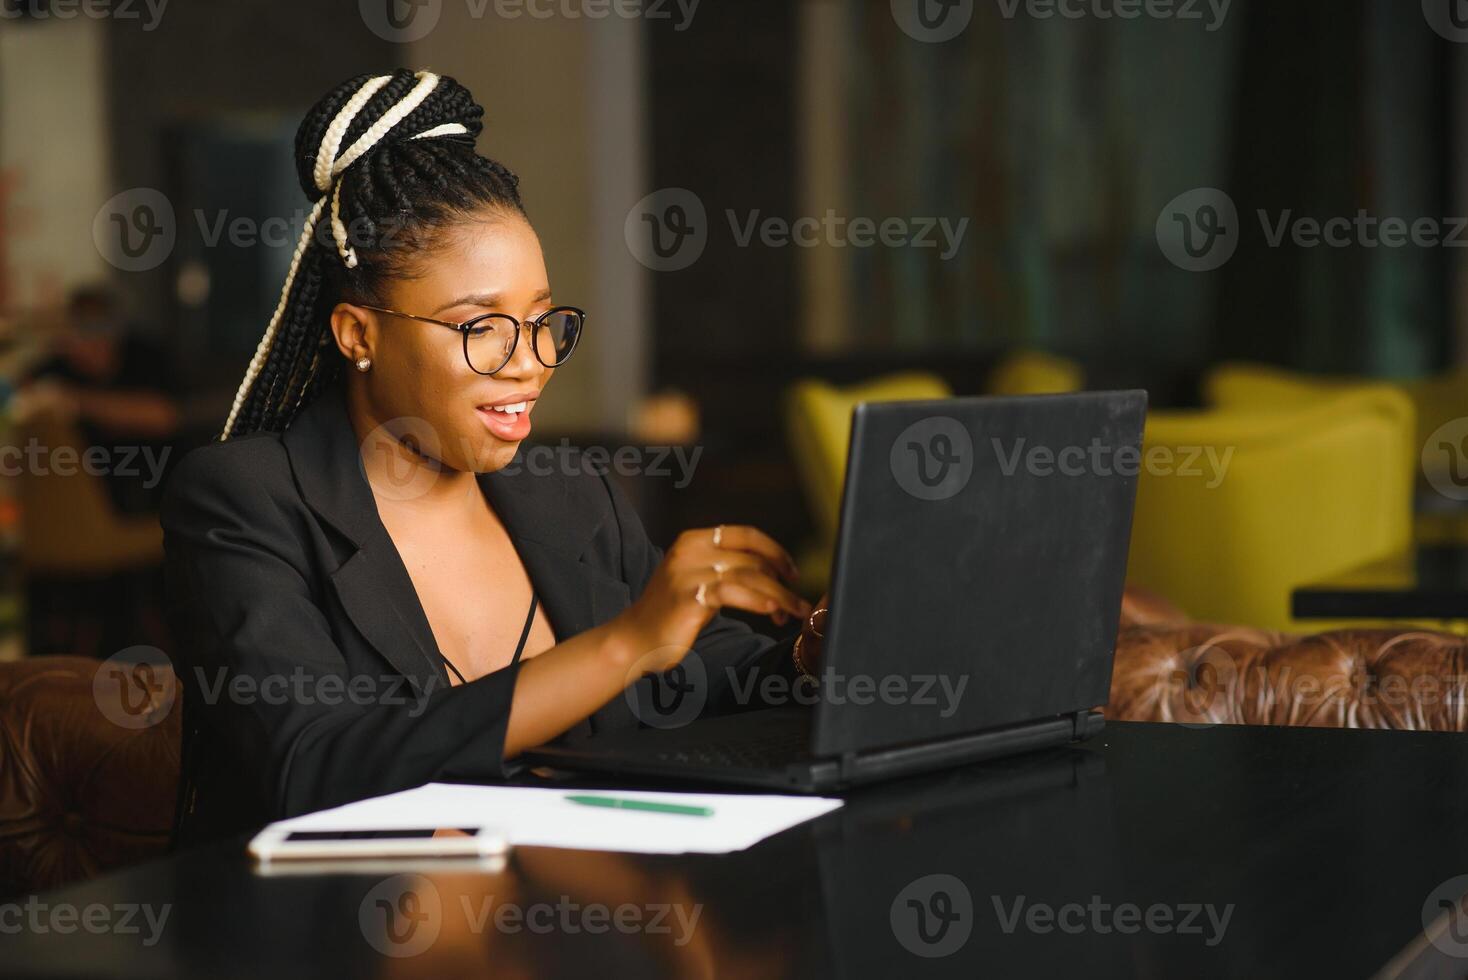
(309, 673)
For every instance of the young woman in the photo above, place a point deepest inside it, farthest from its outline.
(372, 588)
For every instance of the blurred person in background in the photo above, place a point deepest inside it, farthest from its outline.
(108, 388)
(114, 383)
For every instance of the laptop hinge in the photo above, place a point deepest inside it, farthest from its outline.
(1080, 720)
(848, 765)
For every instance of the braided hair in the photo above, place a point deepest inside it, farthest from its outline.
(390, 159)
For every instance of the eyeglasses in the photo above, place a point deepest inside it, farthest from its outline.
(490, 339)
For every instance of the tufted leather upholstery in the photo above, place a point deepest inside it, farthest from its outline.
(80, 793)
(1168, 669)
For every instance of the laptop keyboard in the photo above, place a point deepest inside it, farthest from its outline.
(771, 750)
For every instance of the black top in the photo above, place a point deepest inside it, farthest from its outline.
(310, 673)
(519, 647)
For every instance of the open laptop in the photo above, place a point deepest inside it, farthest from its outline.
(976, 589)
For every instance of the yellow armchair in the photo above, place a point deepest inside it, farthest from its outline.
(818, 424)
(1033, 372)
(1437, 401)
(1237, 507)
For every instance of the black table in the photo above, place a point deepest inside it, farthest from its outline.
(1320, 847)
(1425, 583)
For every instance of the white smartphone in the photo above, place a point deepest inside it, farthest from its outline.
(284, 844)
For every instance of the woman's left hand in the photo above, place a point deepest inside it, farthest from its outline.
(811, 642)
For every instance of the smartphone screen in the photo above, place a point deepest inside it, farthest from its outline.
(332, 836)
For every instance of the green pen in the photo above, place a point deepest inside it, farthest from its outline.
(646, 805)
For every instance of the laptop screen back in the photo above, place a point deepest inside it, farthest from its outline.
(979, 567)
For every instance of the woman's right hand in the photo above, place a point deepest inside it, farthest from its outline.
(706, 569)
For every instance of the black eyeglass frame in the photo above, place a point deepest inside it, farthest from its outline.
(535, 325)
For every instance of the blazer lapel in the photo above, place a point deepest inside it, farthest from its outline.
(550, 531)
(551, 534)
(373, 584)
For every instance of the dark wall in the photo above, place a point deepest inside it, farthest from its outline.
(206, 58)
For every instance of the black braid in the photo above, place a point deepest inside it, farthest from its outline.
(395, 201)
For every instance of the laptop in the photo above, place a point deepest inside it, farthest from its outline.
(976, 589)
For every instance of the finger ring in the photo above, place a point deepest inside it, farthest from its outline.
(719, 536)
(811, 622)
(720, 568)
(701, 596)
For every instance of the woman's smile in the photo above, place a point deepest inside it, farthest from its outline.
(508, 418)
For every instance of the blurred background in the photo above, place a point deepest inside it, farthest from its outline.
(773, 209)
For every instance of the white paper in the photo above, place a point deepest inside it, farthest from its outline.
(532, 816)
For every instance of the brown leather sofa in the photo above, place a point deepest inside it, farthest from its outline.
(81, 793)
(1173, 670)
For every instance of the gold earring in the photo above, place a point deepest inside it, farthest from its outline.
(363, 363)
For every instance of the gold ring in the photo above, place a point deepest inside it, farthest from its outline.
(811, 622)
(719, 536)
(795, 654)
(701, 596)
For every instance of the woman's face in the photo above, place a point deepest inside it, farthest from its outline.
(420, 386)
